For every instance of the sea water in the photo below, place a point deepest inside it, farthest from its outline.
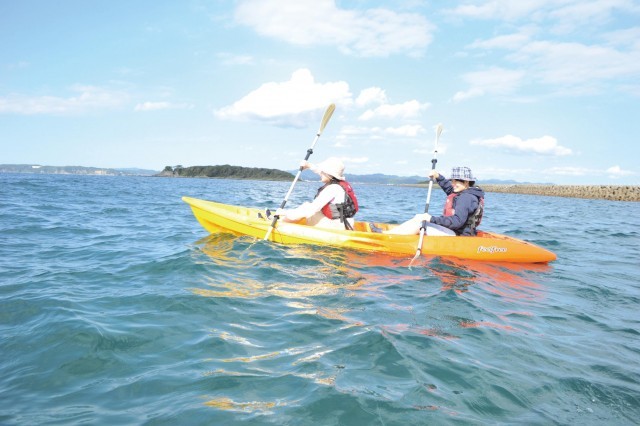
(117, 307)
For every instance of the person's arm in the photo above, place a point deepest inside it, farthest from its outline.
(306, 210)
(307, 165)
(445, 184)
(465, 205)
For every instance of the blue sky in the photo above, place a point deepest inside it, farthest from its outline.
(530, 90)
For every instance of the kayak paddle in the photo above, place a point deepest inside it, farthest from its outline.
(323, 123)
(423, 226)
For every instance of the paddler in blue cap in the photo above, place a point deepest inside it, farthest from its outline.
(462, 211)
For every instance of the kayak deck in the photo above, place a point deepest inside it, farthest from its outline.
(486, 246)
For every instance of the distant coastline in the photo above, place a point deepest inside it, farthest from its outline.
(73, 170)
(602, 192)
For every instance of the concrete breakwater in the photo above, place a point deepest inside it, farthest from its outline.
(601, 192)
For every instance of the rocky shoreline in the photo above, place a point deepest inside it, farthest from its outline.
(600, 192)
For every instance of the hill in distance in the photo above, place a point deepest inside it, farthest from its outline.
(379, 178)
(308, 175)
(138, 172)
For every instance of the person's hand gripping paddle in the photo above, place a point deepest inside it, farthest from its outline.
(323, 123)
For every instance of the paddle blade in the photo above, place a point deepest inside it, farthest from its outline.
(419, 249)
(439, 129)
(417, 255)
(327, 116)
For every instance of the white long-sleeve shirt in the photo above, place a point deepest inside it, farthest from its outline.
(312, 211)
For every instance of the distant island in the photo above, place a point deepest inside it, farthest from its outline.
(226, 172)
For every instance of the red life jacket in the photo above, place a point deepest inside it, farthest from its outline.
(448, 205)
(474, 219)
(344, 210)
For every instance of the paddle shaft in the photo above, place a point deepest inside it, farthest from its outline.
(434, 160)
(309, 152)
(325, 120)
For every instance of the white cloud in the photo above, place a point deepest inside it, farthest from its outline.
(546, 145)
(355, 160)
(232, 59)
(573, 67)
(500, 9)
(409, 130)
(571, 171)
(508, 41)
(351, 131)
(290, 103)
(377, 132)
(409, 109)
(616, 172)
(156, 106)
(577, 13)
(474, 92)
(557, 44)
(493, 81)
(371, 32)
(372, 95)
(564, 15)
(625, 37)
(87, 98)
(152, 106)
(578, 64)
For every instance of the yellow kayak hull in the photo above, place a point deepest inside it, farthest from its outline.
(486, 246)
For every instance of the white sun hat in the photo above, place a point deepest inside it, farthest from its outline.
(333, 167)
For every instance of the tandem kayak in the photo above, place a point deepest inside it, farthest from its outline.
(486, 246)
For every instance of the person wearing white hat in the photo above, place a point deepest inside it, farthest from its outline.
(335, 203)
(462, 211)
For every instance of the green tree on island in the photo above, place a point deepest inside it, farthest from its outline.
(228, 172)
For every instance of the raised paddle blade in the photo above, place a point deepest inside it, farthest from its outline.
(327, 116)
(325, 119)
